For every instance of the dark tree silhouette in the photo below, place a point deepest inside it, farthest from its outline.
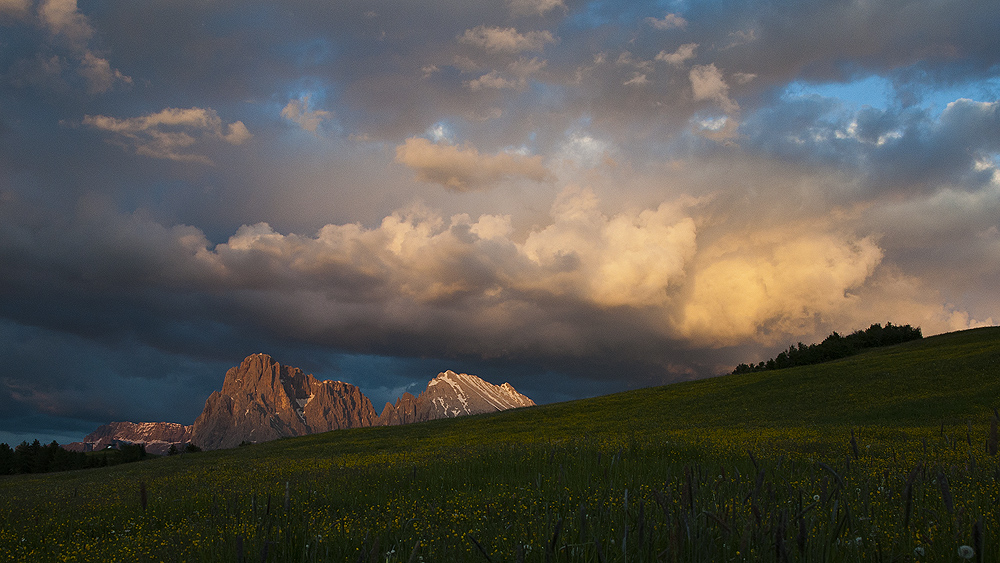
(836, 346)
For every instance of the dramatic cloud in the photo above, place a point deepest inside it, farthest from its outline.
(633, 193)
(465, 168)
(168, 132)
(777, 281)
(583, 285)
(625, 260)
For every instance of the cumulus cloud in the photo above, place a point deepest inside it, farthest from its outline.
(891, 290)
(68, 34)
(506, 40)
(777, 280)
(64, 21)
(494, 80)
(630, 259)
(170, 133)
(683, 53)
(62, 18)
(735, 288)
(465, 168)
(515, 78)
(669, 21)
(707, 84)
(298, 111)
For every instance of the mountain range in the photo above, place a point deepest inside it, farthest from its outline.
(263, 400)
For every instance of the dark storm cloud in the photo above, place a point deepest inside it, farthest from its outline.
(837, 41)
(893, 150)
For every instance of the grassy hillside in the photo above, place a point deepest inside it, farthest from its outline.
(946, 377)
(950, 378)
(743, 467)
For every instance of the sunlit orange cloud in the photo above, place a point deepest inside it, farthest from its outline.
(760, 285)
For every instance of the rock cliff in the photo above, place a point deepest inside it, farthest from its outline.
(263, 400)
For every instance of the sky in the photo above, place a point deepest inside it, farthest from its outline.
(575, 196)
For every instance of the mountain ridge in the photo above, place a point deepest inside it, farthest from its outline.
(263, 400)
(452, 394)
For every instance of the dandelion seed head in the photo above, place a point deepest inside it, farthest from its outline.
(966, 552)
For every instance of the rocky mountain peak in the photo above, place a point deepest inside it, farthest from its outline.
(455, 394)
(156, 436)
(263, 400)
(452, 394)
(262, 377)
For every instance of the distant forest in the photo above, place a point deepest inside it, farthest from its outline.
(836, 346)
(38, 458)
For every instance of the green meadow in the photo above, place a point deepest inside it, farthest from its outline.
(889, 455)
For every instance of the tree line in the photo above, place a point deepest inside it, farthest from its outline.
(835, 347)
(39, 458)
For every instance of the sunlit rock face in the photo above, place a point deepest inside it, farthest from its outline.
(404, 411)
(263, 400)
(453, 394)
(156, 436)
